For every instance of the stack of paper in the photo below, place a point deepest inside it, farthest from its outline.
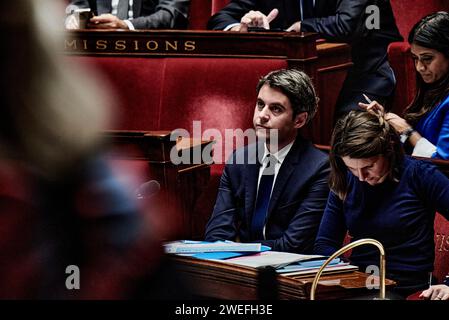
(213, 250)
(291, 263)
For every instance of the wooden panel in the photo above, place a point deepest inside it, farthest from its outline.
(181, 185)
(325, 63)
(218, 280)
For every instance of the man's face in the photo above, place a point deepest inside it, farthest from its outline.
(274, 112)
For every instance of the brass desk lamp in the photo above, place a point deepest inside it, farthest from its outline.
(349, 247)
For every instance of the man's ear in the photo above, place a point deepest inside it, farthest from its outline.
(300, 120)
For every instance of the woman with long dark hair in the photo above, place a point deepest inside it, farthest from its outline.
(378, 192)
(424, 128)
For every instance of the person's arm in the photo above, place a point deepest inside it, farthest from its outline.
(168, 14)
(437, 292)
(223, 223)
(342, 26)
(82, 4)
(231, 14)
(71, 22)
(303, 227)
(442, 146)
(421, 146)
(432, 186)
(332, 229)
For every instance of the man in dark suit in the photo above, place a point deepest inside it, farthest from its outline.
(368, 25)
(142, 14)
(274, 191)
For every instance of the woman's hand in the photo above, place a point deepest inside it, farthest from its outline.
(437, 292)
(398, 123)
(373, 107)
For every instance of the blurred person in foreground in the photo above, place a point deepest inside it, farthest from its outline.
(60, 204)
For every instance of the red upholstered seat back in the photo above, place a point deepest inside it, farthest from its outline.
(441, 267)
(137, 84)
(407, 13)
(218, 5)
(199, 14)
(220, 93)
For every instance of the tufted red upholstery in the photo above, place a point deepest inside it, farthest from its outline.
(407, 14)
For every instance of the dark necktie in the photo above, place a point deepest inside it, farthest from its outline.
(263, 200)
(104, 6)
(307, 9)
(122, 9)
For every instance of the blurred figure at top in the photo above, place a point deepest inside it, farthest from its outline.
(424, 128)
(368, 26)
(130, 14)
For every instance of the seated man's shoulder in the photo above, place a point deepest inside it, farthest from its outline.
(319, 156)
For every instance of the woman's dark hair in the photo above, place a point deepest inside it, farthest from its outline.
(360, 135)
(431, 32)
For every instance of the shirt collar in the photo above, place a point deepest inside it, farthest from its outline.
(279, 156)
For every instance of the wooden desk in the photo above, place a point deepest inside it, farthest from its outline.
(326, 63)
(181, 184)
(216, 280)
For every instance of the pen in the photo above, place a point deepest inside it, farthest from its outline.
(430, 280)
(366, 98)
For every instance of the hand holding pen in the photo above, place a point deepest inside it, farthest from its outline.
(372, 106)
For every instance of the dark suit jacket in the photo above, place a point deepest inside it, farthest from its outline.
(338, 21)
(150, 14)
(296, 206)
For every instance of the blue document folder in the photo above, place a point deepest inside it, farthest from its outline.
(225, 255)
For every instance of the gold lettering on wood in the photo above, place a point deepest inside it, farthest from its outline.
(102, 44)
(136, 45)
(152, 45)
(70, 44)
(173, 46)
(120, 45)
(85, 44)
(189, 46)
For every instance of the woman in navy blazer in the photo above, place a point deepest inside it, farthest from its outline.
(425, 125)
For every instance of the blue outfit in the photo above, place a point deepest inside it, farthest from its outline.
(398, 214)
(296, 205)
(435, 128)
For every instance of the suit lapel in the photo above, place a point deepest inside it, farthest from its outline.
(137, 7)
(104, 6)
(251, 180)
(287, 168)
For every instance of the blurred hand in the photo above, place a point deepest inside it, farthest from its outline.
(296, 27)
(373, 107)
(398, 123)
(107, 21)
(71, 22)
(256, 19)
(437, 292)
